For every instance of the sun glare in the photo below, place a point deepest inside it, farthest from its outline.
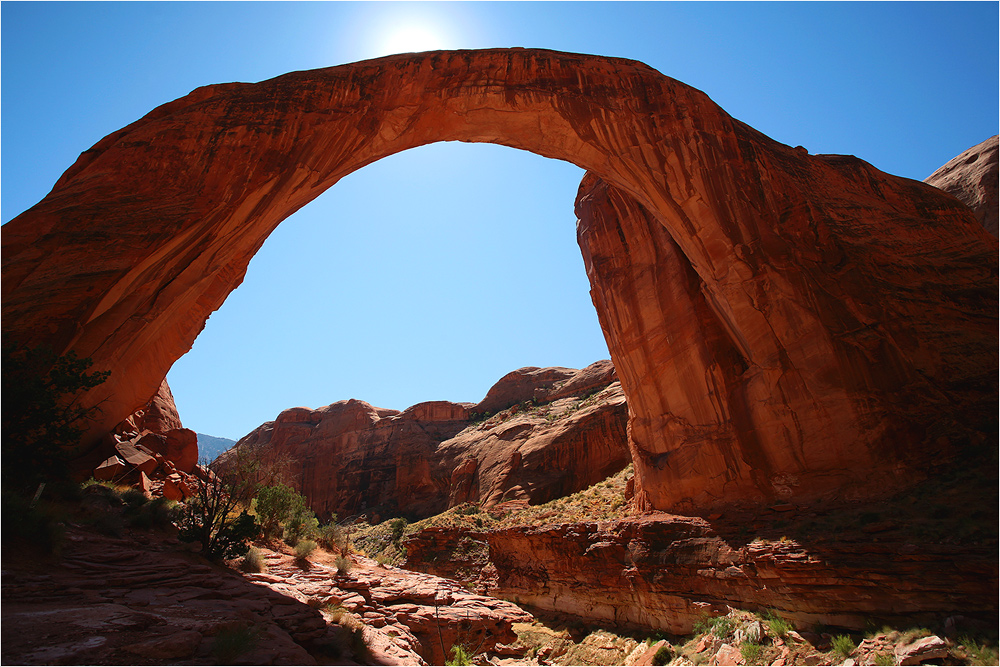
(412, 38)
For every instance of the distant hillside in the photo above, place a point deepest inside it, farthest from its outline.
(210, 447)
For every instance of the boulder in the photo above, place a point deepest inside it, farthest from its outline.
(112, 468)
(927, 648)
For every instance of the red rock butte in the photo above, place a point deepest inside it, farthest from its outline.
(784, 325)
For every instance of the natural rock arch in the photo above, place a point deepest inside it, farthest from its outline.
(804, 359)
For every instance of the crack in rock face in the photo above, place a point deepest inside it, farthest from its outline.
(771, 314)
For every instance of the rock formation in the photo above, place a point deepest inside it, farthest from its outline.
(116, 601)
(668, 572)
(973, 177)
(855, 313)
(539, 434)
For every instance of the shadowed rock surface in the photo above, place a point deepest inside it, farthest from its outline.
(540, 434)
(854, 313)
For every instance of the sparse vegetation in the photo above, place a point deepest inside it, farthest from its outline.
(779, 626)
(343, 564)
(663, 655)
(216, 516)
(304, 548)
(843, 646)
(459, 656)
(751, 652)
(253, 561)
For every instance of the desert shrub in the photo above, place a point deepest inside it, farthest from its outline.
(343, 564)
(779, 626)
(41, 421)
(330, 535)
(751, 653)
(843, 645)
(885, 659)
(459, 656)
(979, 653)
(232, 641)
(211, 518)
(720, 626)
(397, 526)
(663, 655)
(304, 548)
(301, 525)
(275, 505)
(133, 497)
(253, 561)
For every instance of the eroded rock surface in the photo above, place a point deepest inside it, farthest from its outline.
(416, 618)
(540, 434)
(668, 572)
(856, 311)
(973, 178)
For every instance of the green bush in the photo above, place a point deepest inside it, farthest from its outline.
(843, 645)
(459, 656)
(301, 525)
(398, 526)
(304, 548)
(275, 505)
(779, 626)
(330, 535)
(663, 655)
(751, 653)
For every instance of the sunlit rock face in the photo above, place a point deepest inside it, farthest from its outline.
(540, 434)
(854, 312)
(973, 178)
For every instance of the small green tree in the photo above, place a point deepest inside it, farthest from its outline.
(275, 505)
(398, 526)
(41, 418)
(300, 525)
(216, 516)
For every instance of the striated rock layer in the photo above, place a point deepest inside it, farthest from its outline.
(855, 313)
(540, 434)
(668, 572)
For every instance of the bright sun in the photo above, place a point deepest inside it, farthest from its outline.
(412, 38)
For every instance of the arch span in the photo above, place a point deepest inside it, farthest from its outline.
(759, 303)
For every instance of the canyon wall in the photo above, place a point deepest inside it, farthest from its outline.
(854, 312)
(539, 434)
(668, 573)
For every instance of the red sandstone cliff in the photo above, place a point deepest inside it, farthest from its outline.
(540, 433)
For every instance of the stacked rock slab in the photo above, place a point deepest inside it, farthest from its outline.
(856, 312)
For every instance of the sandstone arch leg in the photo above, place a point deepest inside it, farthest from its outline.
(806, 266)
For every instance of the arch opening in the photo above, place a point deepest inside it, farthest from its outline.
(394, 288)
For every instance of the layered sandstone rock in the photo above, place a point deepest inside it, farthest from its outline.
(855, 312)
(973, 177)
(540, 433)
(668, 572)
(813, 376)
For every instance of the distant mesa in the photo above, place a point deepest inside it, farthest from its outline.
(785, 326)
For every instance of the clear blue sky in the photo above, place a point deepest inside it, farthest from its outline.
(431, 274)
